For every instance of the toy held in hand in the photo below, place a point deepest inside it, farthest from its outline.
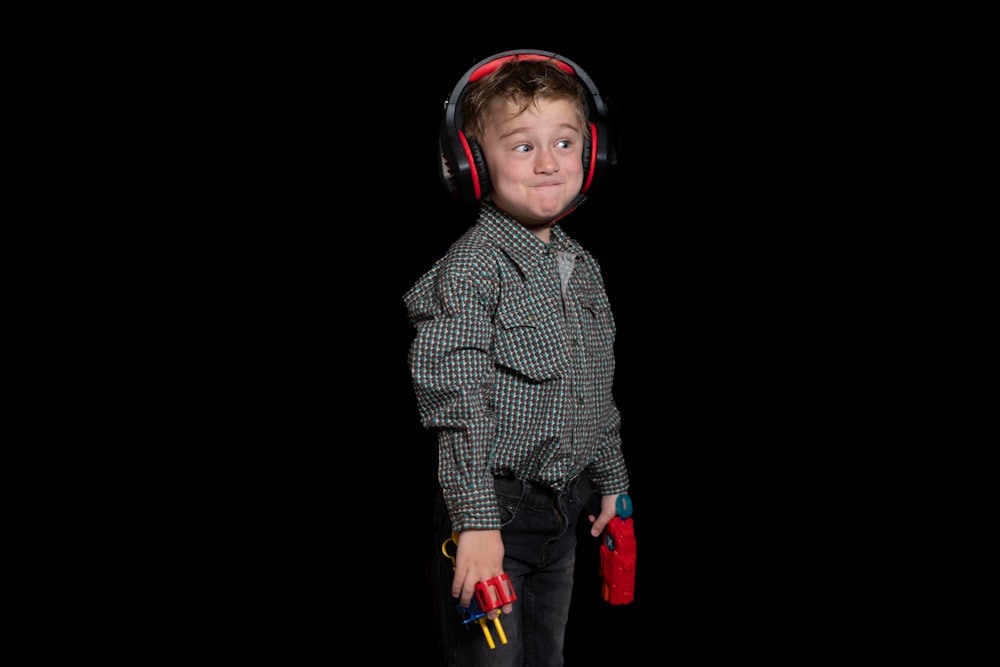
(490, 594)
(618, 556)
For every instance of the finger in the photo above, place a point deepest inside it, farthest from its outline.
(466, 598)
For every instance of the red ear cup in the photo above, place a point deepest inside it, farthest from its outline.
(479, 170)
(463, 169)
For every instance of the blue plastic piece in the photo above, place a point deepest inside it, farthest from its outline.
(623, 504)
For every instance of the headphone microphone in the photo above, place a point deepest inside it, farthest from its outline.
(463, 169)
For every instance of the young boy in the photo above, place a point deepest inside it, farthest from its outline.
(513, 358)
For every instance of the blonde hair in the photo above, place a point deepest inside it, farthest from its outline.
(522, 82)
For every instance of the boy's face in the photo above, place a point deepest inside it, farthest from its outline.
(535, 159)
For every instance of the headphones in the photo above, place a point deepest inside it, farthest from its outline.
(463, 169)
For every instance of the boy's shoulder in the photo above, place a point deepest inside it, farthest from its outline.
(476, 250)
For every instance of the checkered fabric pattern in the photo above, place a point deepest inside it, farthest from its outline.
(513, 364)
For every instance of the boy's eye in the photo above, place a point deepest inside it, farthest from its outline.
(563, 144)
(522, 148)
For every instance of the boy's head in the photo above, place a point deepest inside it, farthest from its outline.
(522, 80)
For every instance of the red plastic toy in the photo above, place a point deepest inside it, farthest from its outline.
(618, 556)
(494, 592)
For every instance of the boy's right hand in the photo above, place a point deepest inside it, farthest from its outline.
(479, 557)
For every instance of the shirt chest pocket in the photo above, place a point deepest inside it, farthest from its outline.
(597, 324)
(530, 340)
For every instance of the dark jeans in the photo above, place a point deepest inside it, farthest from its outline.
(539, 536)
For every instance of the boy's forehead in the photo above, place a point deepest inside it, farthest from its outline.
(560, 111)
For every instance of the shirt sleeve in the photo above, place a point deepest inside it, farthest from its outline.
(453, 373)
(608, 472)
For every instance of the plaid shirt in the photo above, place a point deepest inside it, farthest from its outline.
(513, 364)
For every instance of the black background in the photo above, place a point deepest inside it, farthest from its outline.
(669, 231)
(717, 243)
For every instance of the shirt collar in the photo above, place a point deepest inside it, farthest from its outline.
(517, 241)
